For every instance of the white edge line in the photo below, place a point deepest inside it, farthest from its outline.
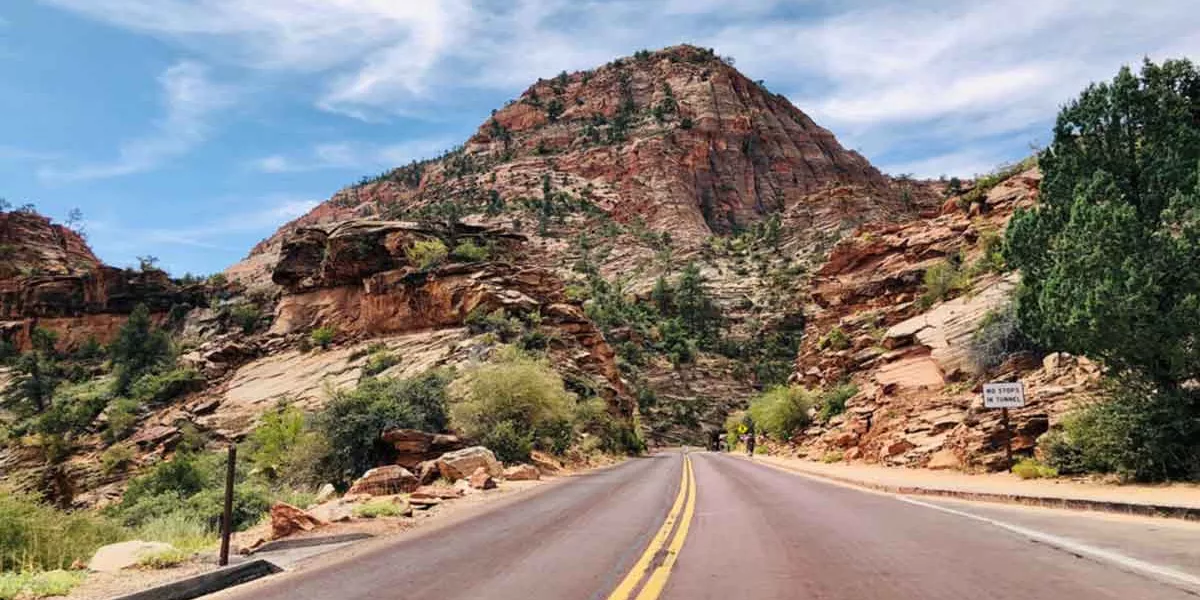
(1127, 563)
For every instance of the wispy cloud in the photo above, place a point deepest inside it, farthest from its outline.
(353, 156)
(272, 212)
(886, 77)
(190, 99)
(16, 153)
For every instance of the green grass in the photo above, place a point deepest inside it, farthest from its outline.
(38, 584)
(185, 532)
(36, 537)
(164, 559)
(1029, 468)
(378, 508)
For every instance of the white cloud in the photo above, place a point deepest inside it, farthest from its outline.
(277, 210)
(353, 156)
(190, 99)
(883, 76)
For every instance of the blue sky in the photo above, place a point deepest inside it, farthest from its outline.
(191, 129)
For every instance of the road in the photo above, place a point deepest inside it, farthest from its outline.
(705, 525)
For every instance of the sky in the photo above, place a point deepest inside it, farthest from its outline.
(191, 129)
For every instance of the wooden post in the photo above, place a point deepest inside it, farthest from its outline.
(1007, 438)
(227, 516)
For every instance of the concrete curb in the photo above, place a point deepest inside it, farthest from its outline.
(289, 544)
(1186, 513)
(206, 583)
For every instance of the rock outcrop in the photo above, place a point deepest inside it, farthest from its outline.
(919, 401)
(49, 278)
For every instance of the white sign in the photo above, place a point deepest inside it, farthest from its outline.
(1003, 395)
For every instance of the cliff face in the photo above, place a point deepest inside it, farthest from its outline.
(50, 278)
(874, 322)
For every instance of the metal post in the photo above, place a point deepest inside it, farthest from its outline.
(227, 516)
(1007, 438)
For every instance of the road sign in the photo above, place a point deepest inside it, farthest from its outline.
(1003, 395)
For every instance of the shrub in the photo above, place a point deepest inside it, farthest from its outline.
(509, 444)
(592, 417)
(468, 251)
(35, 536)
(997, 337)
(427, 254)
(781, 411)
(833, 400)
(192, 485)
(379, 362)
(247, 316)
(835, 339)
(943, 279)
(1141, 432)
(378, 508)
(517, 389)
(270, 444)
(1028, 468)
(122, 416)
(497, 321)
(116, 458)
(832, 457)
(162, 387)
(163, 559)
(322, 337)
(353, 420)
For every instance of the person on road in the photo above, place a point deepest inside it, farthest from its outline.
(750, 444)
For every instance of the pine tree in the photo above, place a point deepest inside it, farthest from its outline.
(139, 348)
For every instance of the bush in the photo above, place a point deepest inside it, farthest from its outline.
(509, 444)
(593, 418)
(520, 390)
(35, 536)
(942, 280)
(354, 419)
(468, 251)
(247, 316)
(122, 416)
(322, 337)
(1028, 468)
(997, 337)
(271, 443)
(781, 411)
(498, 322)
(139, 348)
(379, 362)
(835, 339)
(378, 508)
(116, 458)
(427, 254)
(833, 400)
(162, 387)
(1142, 433)
(190, 486)
(833, 457)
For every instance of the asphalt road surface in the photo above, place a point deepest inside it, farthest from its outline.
(696, 525)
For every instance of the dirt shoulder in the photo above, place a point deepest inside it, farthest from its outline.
(953, 483)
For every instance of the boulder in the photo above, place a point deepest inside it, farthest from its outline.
(462, 463)
(114, 557)
(482, 480)
(385, 481)
(414, 446)
(324, 493)
(522, 472)
(545, 463)
(288, 520)
(427, 472)
(334, 511)
(944, 459)
(436, 492)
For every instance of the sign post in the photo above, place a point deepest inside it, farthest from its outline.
(1004, 396)
(227, 515)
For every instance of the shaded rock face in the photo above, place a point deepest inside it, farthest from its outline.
(49, 277)
(919, 400)
(356, 277)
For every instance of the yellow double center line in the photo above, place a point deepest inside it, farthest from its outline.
(680, 514)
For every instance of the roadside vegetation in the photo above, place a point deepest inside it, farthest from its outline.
(1108, 265)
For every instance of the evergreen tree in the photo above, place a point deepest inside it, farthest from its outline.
(138, 349)
(38, 374)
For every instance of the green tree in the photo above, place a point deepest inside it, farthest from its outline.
(1108, 257)
(140, 347)
(1108, 262)
(38, 374)
(700, 314)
